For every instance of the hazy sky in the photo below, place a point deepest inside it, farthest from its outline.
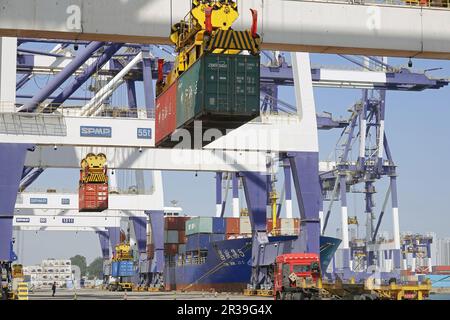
(418, 132)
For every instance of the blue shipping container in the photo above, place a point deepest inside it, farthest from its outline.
(439, 281)
(218, 226)
(115, 269)
(200, 241)
(122, 269)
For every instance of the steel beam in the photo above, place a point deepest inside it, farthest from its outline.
(374, 29)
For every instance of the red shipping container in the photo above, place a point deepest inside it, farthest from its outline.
(441, 268)
(166, 113)
(170, 249)
(232, 225)
(182, 237)
(93, 197)
(296, 223)
(175, 223)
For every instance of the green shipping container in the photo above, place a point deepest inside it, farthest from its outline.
(199, 225)
(223, 91)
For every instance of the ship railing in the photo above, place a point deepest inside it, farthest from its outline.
(284, 232)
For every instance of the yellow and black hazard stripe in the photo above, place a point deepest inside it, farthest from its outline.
(96, 177)
(234, 40)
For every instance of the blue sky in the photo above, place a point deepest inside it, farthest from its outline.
(418, 133)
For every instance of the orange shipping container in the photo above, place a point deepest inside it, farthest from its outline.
(182, 237)
(270, 225)
(93, 197)
(232, 225)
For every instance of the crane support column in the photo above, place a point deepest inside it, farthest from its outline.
(140, 231)
(8, 62)
(104, 243)
(149, 94)
(344, 223)
(114, 238)
(158, 263)
(12, 158)
(219, 178)
(362, 130)
(305, 173)
(236, 209)
(381, 113)
(395, 223)
(255, 189)
(288, 188)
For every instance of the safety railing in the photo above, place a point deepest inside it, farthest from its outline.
(75, 111)
(440, 4)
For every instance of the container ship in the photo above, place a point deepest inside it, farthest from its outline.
(204, 253)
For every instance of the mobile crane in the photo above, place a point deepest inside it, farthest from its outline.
(122, 269)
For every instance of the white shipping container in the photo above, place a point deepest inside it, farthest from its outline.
(287, 226)
(244, 225)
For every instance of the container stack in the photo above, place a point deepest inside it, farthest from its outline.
(49, 271)
(444, 270)
(174, 237)
(200, 231)
(284, 227)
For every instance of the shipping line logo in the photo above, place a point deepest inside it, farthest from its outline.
(38, 200)
(96, 132)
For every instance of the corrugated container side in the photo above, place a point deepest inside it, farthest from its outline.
(287, 226)
(189, 93)
(171, 236)
(218, 225)
(270, 224)
(245, 226)
(219, 85)
(199, 225)
(181, 237)
(166, 113)
(441, 268)
(171, 249)
(181, 248)
(232, 225)
(93, 197)
(232, 84)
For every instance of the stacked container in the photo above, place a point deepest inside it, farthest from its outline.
(174, 237)
(232, 227)
(201, 231)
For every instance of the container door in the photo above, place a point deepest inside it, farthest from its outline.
(246, 84)
(218, 84)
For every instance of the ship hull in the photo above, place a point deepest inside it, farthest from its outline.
(227, 267)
